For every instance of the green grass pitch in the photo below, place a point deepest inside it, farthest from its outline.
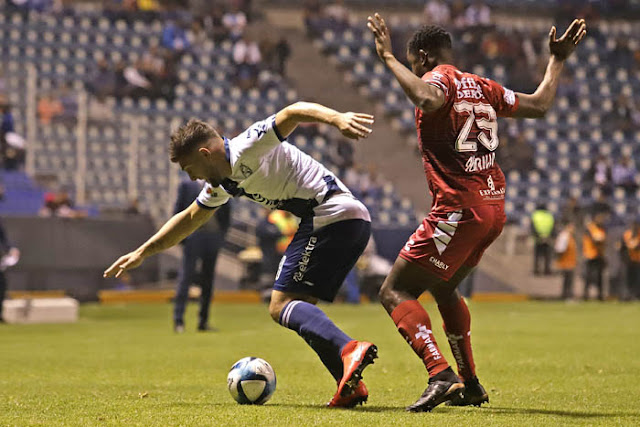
(542, 363)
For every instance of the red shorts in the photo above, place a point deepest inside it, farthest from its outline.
(444, 242)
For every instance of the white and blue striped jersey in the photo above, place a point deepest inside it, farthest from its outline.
(272, 172)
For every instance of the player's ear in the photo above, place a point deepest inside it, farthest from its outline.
(204, 151)
(424, 57)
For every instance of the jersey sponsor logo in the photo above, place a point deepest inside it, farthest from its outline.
(245, 170)
(468, 88)
(441, 265)
(509, 96)
(490, 192)
(477, 164)
(305, 257)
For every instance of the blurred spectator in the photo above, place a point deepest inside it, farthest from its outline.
(174, 37)
(59, 203)
(313, 18)
(246, 56)
(478, 14)
(49, 108)
(542, 224)
(458, 14)
(282, 54)
(12, 145)
(631, 242)
(214, 24)
(102, 81)
(274, 232)
(593, 250)
(14, 150)
(625, 174)
(338, 15)
(572, 212)
(153, 62)
(622, 55)
(623, 117)
(601, 205)
(235, 21)
(437, 12)
(600, 172)
(9, 256)
(566, 250)
(147, 5)
(138, 84)
(197, 37)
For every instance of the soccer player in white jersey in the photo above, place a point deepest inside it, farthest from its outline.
(334, 229)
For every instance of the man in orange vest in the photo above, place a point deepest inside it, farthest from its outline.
(593, 249)
(565, 248)
(631, 241)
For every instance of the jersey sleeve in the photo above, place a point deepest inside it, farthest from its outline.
(212, 197)
(503, 100)
(442, 81)
(257, 140)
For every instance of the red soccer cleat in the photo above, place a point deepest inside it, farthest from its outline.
(358, 396)
(356, 356)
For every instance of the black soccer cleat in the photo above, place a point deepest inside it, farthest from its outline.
(474, 395)
(439, 391)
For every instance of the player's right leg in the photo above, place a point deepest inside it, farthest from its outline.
(314, 266)
(399, 295)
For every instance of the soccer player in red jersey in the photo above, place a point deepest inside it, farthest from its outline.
(456, 115)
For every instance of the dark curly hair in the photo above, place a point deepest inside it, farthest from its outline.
(430, 38)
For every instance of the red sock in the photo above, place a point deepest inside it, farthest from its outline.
(457, 326)
(415, 326)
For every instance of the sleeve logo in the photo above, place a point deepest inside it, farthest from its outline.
(509, 96)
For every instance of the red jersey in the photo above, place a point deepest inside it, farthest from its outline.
(458, 141)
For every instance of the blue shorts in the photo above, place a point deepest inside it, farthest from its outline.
(317, 262)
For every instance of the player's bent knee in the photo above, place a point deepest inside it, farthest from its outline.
(274, 310)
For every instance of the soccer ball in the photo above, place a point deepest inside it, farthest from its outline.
(251, 381)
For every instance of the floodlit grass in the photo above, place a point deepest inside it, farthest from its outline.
(542, 363)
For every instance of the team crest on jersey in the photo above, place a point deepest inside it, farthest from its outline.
(245, 170)
(211, 192)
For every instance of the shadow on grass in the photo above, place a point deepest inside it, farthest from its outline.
(363, 408)
(572, 414)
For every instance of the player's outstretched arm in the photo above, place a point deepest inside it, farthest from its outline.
(172, 232)
(538, 103)
(426, 97)
(352, 125)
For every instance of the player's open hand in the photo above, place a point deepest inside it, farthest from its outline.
(563, 47)
(124, 263)
(354, 125)
(381, 34)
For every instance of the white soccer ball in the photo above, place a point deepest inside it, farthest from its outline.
(251, 381)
